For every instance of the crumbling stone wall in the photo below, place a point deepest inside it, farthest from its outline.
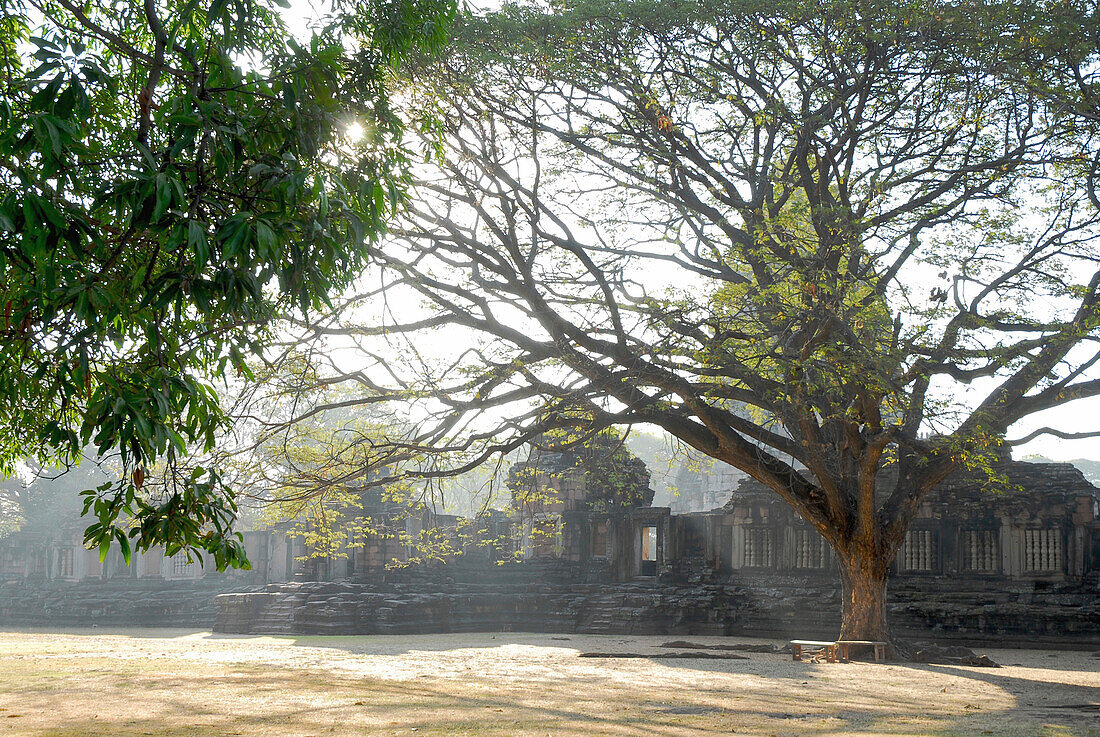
(750, 568)
(767, 605)
(115, 602)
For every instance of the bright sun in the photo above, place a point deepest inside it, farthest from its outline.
(355, 132)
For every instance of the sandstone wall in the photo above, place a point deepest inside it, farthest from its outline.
(119, 603)
(768, 606)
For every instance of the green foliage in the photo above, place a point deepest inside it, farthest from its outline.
(174, 176)
(319, 478)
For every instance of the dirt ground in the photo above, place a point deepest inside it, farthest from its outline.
(171, 682)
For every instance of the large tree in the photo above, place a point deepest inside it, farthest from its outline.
(836, 245)
(173, 175)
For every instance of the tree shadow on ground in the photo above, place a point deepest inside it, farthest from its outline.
(285, 705)
(289, 690)
(1064, 701)
(1034, 686)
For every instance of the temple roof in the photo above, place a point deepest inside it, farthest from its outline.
(1013, 484)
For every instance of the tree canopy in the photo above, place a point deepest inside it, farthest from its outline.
(173, 176)
(812, 240)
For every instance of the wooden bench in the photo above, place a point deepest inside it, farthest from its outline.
(817, 648)
(845, 648)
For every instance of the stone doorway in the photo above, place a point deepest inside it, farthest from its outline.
(647, 551)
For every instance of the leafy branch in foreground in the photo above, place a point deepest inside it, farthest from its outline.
(173, 175)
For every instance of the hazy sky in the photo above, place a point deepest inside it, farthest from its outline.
(1083, 416)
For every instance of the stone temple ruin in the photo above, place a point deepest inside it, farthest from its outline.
(1021, 562)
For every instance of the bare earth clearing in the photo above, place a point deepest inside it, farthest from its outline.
(172, 682)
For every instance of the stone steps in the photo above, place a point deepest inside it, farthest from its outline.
(278, 617)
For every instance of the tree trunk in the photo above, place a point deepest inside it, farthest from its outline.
(863, 582)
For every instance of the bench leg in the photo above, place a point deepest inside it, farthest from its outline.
(880, 653)
(844, 654)
(796, 652)
(830, 653)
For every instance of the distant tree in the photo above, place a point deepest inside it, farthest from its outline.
(46, 500)
(12, 516)
(661, 454)
(173, 176)
(305, 476)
